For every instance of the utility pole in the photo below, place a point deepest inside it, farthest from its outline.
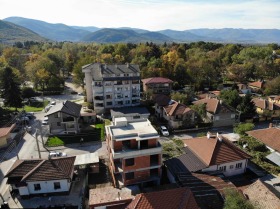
(36, 137)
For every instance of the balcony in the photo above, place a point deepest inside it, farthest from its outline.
(134, 152)
(101, 98)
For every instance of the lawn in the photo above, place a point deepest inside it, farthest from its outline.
(35, 106)
(102, 127)
(54, 141)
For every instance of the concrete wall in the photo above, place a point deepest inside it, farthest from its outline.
(48, 186)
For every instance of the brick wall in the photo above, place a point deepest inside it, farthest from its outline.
(139, 162)
(133, 143)
(117, 145)
(152, 143)
(138, 177)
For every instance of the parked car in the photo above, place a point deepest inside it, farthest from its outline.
(57, 154)
(53, 102)
(45, 122)
(164, 131)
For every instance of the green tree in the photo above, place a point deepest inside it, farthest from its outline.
(28, 92)
(242, 128)
(247, 107)
(230, 97)
(10, 86)
(235, 200)
(200, 109)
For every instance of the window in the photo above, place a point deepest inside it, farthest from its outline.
(58, 124)
(129, 162)
(231, 167)
(56, 115)
(129, 176)
(37, 187)
(238, 165)
(56, 185)
(223, 168)
(70, 125)
(136, 117)
(109, 103)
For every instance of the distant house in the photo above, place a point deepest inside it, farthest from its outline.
(171, 199)
(161, 101)
(218, 112)
(5, 135)
(257, 86)
(263, 105)
(37, 177)
(215, 154)
(157, 85)
(262, 195)
(64, 118)
(274, 99)
(179, 115)
(243, 88)
(131, 114)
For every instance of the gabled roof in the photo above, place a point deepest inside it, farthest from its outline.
(161, 99)
(257, 84)
(215, 151)
(155, 80)
(215, 106)
(172, 199)
(260, 194)
(188, 162)
(42, 170)
(269, 136)
(265, 104)
(68, 107)
(6, 130)
(176, 109)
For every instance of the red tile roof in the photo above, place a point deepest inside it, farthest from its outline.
(6, 130)
(156, 80)
(269, 136)
(214, 151)
(167, 199)
(259, 194)
(265, 104)
(214, 105)
(176, 109)
(42, 170)
(257, 84)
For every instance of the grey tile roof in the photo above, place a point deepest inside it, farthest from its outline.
(98, 69)
(70, 108)
(187, 162)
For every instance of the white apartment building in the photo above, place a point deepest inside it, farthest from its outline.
(110, 86)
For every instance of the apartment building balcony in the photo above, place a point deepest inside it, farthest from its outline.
(128, 152)
(121, 183)
(100, 98)
(98, 104)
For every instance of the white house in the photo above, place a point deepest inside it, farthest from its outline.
(34, 177)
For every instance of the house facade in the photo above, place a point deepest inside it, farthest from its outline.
(218, 112)
(5, 135)
(179, 115)
(36, 177)
(64, 118)
(264, 106)
(157, 85)
(135, 153)
(111, 86)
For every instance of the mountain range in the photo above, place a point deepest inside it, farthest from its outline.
(62, 32)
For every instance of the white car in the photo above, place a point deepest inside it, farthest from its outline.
(57, 154)
(53, 102)
(164, 131)
(45, 122)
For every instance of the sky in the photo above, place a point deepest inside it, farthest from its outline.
(151, 15)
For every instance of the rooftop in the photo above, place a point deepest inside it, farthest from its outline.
(138, 130)
(129, 111)
(68, 107)
(215, 106)
(176, 108)
(6, 130)
(156, 80)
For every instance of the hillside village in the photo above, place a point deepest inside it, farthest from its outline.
(169, 133)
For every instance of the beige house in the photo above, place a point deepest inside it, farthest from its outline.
(263, 105)
(5, 135)
(157, 85)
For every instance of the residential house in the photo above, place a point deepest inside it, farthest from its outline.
(218, 112)
(216, 154)
(262, 195)
(5, 135)
(157, 85)
(171, 199)
(111, 86)
(266, 108)
(257, 86)
(271, 138)
(161, 101)
(64, 118)
(135, 153)
(179, 115)
(243, 88)
(274, 99)
(38, 176)
(131, 114)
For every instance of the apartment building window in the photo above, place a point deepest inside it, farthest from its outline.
(37, 187)
(58, 124)
(231, 167)
(129, 176)
(56, 185)
(108, 96)
(129, 162)
(223, 168)
(127, 102)
(109, 103)
(238, 165)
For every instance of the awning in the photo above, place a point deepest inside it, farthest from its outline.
(86, 159)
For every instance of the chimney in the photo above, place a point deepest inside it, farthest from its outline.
(208, 135)
(219, 137)
(270, 125)
(127, 64)
(221, 101)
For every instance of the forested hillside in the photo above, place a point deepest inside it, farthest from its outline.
(200, 64)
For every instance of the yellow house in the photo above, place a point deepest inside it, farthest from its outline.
(266, 105)
(5, 134)
(274, 99)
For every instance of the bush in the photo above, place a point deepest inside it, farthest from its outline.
(54, 141)
(234, 200)
(242, 128)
